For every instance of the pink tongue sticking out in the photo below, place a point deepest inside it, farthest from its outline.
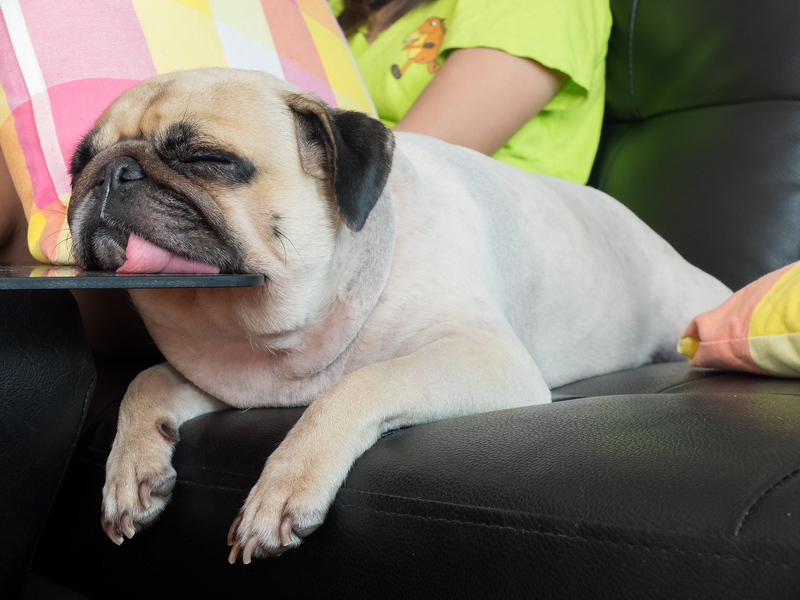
(144, 257)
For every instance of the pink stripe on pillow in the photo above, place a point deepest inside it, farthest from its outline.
(306, 81)
(44, 192)
(94, 39)
(292, 38)
(76, 106)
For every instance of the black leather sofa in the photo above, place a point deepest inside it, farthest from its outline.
(660, 482)
(46, 380)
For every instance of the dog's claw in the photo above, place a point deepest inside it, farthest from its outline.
(111, 531)
(234, 529)
(127, 526)
(286, 536)
(248, 550)
(144, 496)
(287, 539)
(237, 546)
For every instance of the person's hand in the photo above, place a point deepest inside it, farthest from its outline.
(481, 97)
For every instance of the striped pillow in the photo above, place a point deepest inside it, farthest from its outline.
(62, 63)
(756, 330)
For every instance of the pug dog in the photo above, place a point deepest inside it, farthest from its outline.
(406, 280)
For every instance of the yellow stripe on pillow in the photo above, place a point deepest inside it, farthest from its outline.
(774, 332)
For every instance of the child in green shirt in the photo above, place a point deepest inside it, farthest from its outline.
(521, 80)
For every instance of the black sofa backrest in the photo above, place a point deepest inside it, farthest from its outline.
(702, 130)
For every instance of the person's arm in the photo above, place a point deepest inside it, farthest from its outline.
(480, 98)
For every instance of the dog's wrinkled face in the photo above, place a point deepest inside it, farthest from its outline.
(221, 170)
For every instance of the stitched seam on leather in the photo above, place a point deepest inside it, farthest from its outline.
(81, 421)
(571, 537)
(630, 60)
(729, 392)
(761, 500)
(212, 487)
(84, 410)
(683, 383)
(529, 514)
(678, 111)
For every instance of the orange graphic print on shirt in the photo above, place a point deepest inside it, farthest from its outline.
(423, 46)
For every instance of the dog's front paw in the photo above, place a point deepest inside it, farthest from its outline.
(289, 501)
(139, 480)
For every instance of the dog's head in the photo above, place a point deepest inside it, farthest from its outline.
(230, 169)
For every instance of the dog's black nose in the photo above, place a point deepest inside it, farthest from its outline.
(121, 180)
(120, 171)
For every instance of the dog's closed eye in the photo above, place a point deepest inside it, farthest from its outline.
(222, 166)
(205, 158)
(183, 149)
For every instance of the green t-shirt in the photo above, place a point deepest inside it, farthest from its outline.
(570, 36)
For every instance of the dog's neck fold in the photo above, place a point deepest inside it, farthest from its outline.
(361, 268)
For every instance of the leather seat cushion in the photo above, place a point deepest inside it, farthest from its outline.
(684, 477)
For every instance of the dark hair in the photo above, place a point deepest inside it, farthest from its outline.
(358, 12)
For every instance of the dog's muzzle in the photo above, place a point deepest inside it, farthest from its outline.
(127, 194)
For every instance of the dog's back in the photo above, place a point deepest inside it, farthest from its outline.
(586, 286)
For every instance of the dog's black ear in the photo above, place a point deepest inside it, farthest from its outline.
(350, 149)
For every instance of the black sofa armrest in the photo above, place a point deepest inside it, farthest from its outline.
(46, 381)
